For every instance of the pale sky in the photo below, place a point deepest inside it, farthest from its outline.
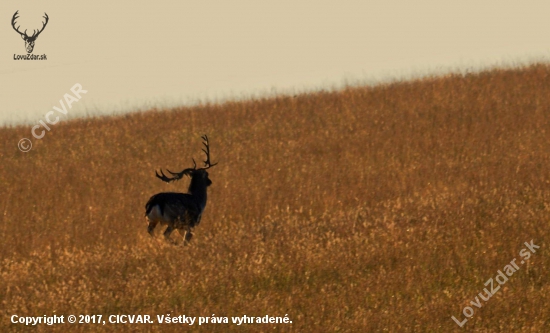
(143, 54)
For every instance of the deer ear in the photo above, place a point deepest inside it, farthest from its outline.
(22, 36)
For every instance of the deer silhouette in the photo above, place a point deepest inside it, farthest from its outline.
(181, 211)
(29, 40)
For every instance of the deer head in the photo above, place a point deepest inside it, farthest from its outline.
(29, 40)
(194, 173)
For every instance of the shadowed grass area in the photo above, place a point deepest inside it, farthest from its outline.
(363, 210)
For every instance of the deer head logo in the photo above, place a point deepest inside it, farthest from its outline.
(29, 40)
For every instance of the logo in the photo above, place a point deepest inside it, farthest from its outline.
(29, 40)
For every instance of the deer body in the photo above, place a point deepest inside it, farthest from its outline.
(181, 211)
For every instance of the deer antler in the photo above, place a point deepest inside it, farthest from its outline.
(206, 150)
(35, 34)
(177, 175)
(189, 171)
(15, 17)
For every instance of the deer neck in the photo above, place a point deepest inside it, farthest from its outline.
(197, 189)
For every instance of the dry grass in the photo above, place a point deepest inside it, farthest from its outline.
(364, 210)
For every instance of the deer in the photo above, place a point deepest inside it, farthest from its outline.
(29, 40)
(181, 211)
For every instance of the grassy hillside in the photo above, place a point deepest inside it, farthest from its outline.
(369, 209)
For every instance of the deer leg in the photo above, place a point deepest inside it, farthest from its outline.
(168, 232)
(151, 227)
(188, 235)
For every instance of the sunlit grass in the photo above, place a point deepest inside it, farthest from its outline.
(364, 210)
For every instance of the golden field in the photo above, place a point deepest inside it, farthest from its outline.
(370, 209)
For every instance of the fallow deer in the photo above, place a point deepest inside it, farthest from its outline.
(181, 211)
